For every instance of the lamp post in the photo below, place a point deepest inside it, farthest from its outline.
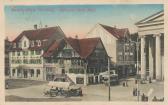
(109, 78)
(137, 67)
(137, 49)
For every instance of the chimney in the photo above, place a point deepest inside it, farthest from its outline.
(76, 36)
(35, 26)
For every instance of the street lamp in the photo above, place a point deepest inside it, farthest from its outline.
(109, 78)
(137, 67)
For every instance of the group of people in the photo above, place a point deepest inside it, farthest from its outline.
(156, 99)
(135, 92)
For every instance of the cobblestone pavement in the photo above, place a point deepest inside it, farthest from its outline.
(97, 92)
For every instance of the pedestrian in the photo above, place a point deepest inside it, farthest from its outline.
(133, 91)
(7, 85)
(136, 92)
(146, 98)
(136, 81)
(154, 98)
(143, 97)
(150, 80)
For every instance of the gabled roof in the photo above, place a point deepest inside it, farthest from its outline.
(151, 18)
(51, 49)
(84, 47)
(38, 34)
(116, 32)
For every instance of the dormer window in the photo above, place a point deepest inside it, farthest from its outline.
(25, 44)
(39, 43)
(32, 43)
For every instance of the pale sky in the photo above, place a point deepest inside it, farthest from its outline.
(76, 19)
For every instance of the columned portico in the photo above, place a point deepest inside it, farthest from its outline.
(143, 58)
(158, 58)
(151, 33)
(151, 58)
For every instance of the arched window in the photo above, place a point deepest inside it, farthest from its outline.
(32, 43)
(39, 43)
(25, 44)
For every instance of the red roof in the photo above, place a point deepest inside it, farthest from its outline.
(84, 47)
(51, 49)
(38, 34)
(16, 49)
(118, 33)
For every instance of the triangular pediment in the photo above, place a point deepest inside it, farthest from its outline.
(153, 18)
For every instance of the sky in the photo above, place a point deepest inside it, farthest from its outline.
(75, 19)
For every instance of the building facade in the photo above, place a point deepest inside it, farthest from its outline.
(45, 53)
(80, 59)
(126, 57)
(25, 56)
(151, 33)
(118, 46)
(8, 46)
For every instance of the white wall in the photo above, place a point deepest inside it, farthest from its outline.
(24, 39)
(109, 41)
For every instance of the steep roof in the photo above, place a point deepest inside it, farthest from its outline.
(116, 32)
(85, 46)
(38, 34)
(51, 49)
(151, 18)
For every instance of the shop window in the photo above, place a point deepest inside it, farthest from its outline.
(79, 80)
(25, 44)
(18, 53)
(32, 73)
(13, 72)
(38, 73)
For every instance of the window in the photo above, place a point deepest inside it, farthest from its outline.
(13, 72)
(32, 43)
(32, 73)
(38, 52)
(38, 73)
(119, 53)
(25, 61)
(25, 44)
(18, 53)
(13, 53)
(39, 43)
(25, 52)
(32, 52)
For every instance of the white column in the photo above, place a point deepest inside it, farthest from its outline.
(151, 58)
(162, 67)
(158, 58)
(143, 58)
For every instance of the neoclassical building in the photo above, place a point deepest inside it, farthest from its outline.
(151, 33)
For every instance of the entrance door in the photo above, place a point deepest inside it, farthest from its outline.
(79, 80)
(25, 73)
(63, 71)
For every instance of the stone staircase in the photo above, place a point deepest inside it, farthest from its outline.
(66, 77)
